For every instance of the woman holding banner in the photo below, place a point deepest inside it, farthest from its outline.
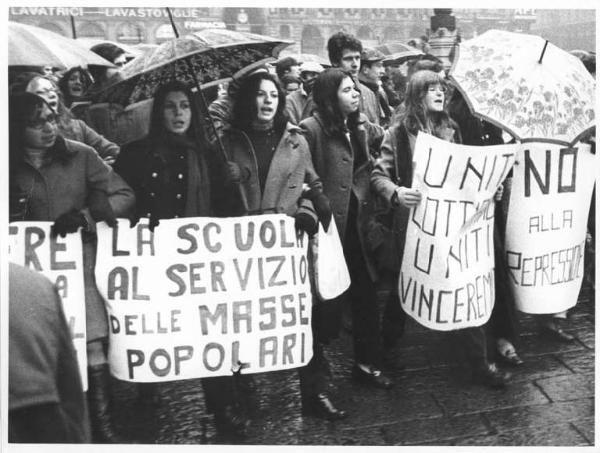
(170, 173)
(392, 180)
(64, 181)
(341, 139)
(270, 164)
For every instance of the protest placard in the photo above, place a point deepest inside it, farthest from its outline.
(61, 260)
(546, 225)
(446, 280)
(201, 297)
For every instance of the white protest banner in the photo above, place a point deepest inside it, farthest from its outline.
(202, 297)
(61, 260)
(447, 276)
(546, 225)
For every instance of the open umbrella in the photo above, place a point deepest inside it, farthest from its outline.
(130, 51)
(216, 56)
(398, 52)
(526, 86)
(304, 57)
(34, 46)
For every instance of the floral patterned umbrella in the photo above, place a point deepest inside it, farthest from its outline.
(526, 86)
(216, 56)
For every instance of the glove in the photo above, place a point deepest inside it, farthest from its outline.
(233, 173)
(304, 222)
(68, 222)
(100, 208)
(154, 221)
(323, 209)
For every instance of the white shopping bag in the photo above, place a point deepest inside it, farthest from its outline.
(331, 273)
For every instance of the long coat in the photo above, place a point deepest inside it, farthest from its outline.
(64, 184)
(143, 165)
(291, 167)
(334, 160)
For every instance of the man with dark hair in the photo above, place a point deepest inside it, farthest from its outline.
(287, 66)
(344, 52)
(371, 72)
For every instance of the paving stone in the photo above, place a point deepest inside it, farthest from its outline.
(538, 367)
(437, 429)
(539, 415)
(578, 361)
(535, 344)
(422, 381)
(471, 398)
(555, 435)
(585, 426)
(587, 338)
(566, 388)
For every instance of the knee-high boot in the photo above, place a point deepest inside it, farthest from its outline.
(99, 405)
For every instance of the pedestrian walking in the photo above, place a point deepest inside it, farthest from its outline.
(392, 179)
(270, 163)
(170, 171)
(64, 181)
(341, 141)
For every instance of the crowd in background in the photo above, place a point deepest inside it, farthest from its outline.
(345, 132)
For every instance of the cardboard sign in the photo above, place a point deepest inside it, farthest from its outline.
(205, 297)
(546, 225)
(61, 260)
(446, 280)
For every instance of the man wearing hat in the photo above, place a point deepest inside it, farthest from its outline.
(371, 71)
(299, 104)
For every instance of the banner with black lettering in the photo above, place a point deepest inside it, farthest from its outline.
(201, 297)
(546, 225)
(61, 260)
(447, 277)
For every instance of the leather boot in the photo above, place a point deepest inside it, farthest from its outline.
(98, 400)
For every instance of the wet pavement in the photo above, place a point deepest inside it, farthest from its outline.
(549, 402)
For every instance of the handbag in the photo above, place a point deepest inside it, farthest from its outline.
(331, 272)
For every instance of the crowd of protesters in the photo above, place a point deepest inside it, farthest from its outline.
(346, 133)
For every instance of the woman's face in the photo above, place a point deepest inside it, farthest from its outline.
(348, 96)
(75, 84)
(177, 113)
(44, 89)
(267, 100)
(434, 98)
(40, 133)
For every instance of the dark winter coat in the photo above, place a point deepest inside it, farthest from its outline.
(63, 184)
(170, 178)
(345, 168)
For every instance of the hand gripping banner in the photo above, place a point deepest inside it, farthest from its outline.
(446, 280)
(202, 297)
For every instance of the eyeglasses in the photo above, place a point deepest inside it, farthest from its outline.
(40, 123)
(440, 88)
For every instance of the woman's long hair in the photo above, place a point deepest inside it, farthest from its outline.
(63, 83)
(416, 115)
(325, 95)
(245, 111)
(157, 127)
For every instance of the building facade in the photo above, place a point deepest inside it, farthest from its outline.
(308, 28)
